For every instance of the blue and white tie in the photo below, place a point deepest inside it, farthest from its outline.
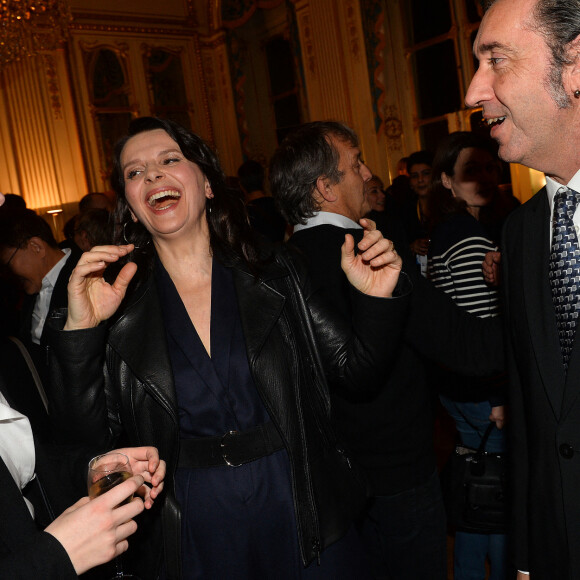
(564, 270)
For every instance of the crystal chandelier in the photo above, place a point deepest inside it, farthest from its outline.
(30, 26)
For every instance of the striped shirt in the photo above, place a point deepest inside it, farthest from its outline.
(458, 247)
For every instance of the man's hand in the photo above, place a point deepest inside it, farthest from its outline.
(95, 531)
(420, 246)
(146, 463)
(498, 416)
(91, 299)
(375, 270)
(490, 268)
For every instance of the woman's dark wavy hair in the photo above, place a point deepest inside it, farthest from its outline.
(442, 203)
(231, 238)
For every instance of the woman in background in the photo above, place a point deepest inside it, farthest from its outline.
(465, 180)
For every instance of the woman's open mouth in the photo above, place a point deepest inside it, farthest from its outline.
(163, 200)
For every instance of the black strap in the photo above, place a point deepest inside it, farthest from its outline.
(486, 435)
(233, 448)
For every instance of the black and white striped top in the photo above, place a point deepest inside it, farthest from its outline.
(458, 247)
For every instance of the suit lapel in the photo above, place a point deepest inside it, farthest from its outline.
(538, 300)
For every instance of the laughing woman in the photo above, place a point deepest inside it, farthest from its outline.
(217, 354)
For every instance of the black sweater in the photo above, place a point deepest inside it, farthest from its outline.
(392, 435)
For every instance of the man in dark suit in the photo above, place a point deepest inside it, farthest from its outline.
(318, 179)
(528, 84)
(30, 253)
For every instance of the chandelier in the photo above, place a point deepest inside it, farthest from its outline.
(28, 27)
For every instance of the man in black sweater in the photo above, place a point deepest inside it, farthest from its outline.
(317, 177)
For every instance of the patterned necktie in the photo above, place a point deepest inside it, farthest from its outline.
(564, 271)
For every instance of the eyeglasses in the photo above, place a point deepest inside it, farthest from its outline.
(5, 267)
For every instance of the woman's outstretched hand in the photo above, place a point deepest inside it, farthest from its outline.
(91, 299)
(375, 269)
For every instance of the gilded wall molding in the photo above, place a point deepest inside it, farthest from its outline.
(351, 10)
(123, 29)
(308, 43)
(213, 42)
(202, 76)
(53, 85)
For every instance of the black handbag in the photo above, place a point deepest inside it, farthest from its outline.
(474, 484)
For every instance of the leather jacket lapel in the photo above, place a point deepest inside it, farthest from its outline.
(148, 358)
(260, 306)
(538, 297)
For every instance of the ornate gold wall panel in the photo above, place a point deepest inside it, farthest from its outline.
(401, 136)
(220, 98)
(132, 46)
(336, 72)
(39, 135)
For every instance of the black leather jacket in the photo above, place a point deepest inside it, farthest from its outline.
(136, 396)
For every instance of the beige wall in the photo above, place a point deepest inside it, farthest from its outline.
(49, 147)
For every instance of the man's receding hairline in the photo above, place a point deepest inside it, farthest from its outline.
(529, 24)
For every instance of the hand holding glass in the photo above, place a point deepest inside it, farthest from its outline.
(105, 472)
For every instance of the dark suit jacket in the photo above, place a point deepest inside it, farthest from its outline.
(58, 300)
(545, 405)
(392, 434)
(26, 553)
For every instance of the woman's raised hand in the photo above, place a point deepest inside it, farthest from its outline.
(91, 299)
(375, 269)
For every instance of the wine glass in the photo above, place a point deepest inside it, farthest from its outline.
(105, 472)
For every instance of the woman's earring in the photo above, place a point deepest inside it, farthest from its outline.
(127, 241)
(125, 233)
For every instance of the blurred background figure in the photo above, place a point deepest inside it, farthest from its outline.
(400, 191)
(95, 200)
(402, 166)
(89, 202)
(466, 174)
(265, 218)
(13, 201)
(385, 213)
(414, 211)
(374, 191)
(31, 259)
(93, 228)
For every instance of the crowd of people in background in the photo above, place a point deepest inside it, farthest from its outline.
(272, 351)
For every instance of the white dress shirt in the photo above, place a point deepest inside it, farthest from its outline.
(17, 446)
(328, 218)
(42, 303)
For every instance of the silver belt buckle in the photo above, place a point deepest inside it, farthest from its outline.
(223, 448)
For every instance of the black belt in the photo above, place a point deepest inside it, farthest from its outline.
(233, 448)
